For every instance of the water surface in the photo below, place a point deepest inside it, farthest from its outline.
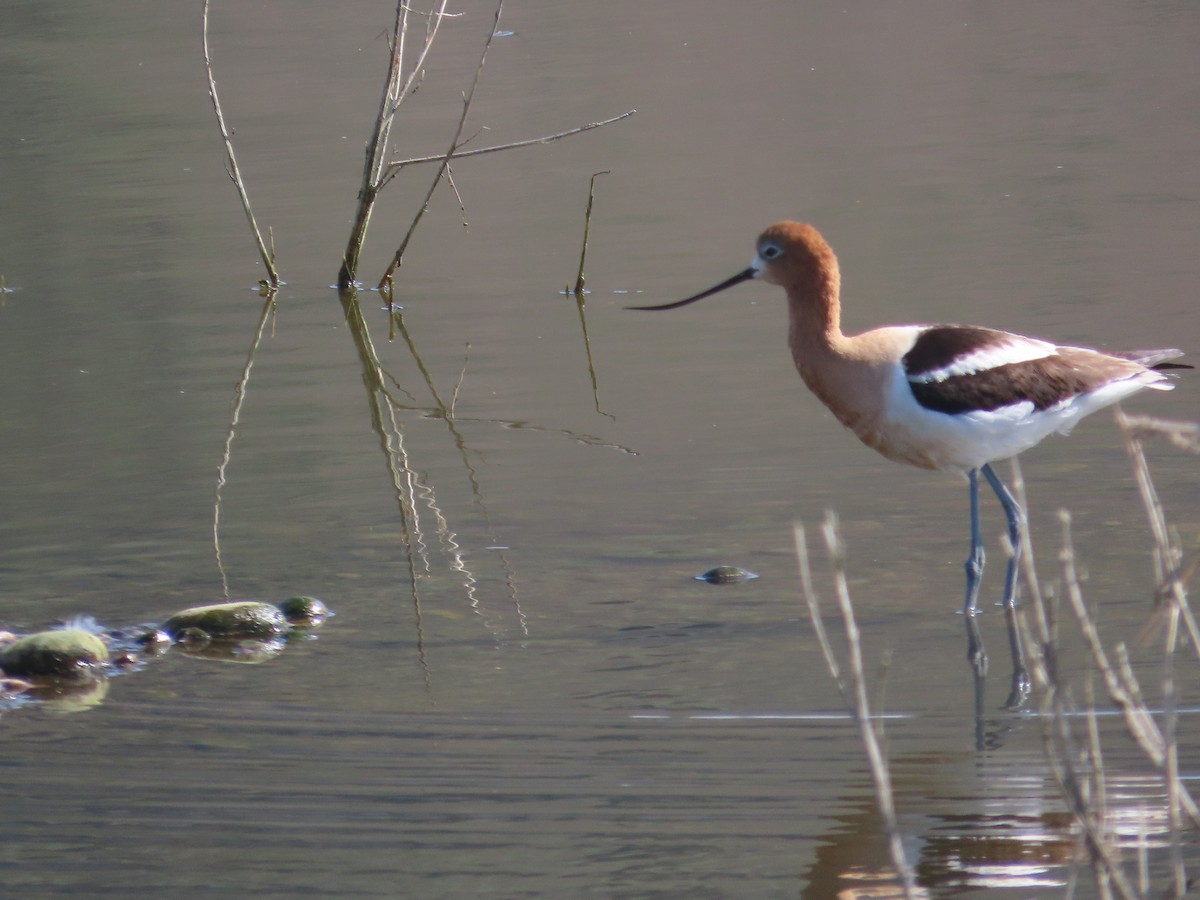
(529, 694)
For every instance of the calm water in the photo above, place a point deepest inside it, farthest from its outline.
(531, 696)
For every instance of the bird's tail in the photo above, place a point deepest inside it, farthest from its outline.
(1152, 359)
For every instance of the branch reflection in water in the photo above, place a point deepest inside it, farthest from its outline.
(415, 496)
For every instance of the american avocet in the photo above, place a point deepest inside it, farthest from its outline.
(954, 397)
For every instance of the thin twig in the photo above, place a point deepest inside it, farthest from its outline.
(1099, 786)
(235, 175)
(856, 694)
(1138, 721)
(458, 384)
(1061, 754)
(587, 227)
(545, 139)
(1168, 556)
(814, 612)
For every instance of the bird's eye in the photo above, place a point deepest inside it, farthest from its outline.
(770, 251)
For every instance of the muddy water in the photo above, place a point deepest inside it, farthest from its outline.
(525, 692)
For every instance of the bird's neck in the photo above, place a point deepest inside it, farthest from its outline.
(814, 320)
(833, 365)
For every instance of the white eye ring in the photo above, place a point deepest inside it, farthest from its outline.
(770, 252)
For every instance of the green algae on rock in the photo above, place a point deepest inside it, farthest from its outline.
(61, 653)
(229, 621)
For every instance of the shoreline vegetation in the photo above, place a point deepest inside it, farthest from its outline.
(1066, 706)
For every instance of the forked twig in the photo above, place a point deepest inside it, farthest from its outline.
(385, 283)
(377, 173)
(394, 93)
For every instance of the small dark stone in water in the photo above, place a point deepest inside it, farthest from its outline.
(304, 612)
(726, 575)
(153, 640)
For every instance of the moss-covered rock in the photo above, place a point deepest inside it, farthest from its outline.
(229, 621)
(63, 653)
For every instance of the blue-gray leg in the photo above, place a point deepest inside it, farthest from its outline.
(975, 652)
(1016, 524)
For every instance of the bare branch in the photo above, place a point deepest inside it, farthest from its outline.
(398, 257)
(235, 175)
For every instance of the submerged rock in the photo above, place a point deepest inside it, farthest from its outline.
(726, 575)
(228, 621)
(62, 653)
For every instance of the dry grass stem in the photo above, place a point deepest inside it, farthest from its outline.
(856, 693)
(1099, 792)
(814, 611)
(1077, 789)
(1045, 620)
(1184, 435)
(1083, 791)
(1120, 683)
(1077, 763)
(1170, 573)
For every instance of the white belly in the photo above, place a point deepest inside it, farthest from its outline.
(923, 437)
